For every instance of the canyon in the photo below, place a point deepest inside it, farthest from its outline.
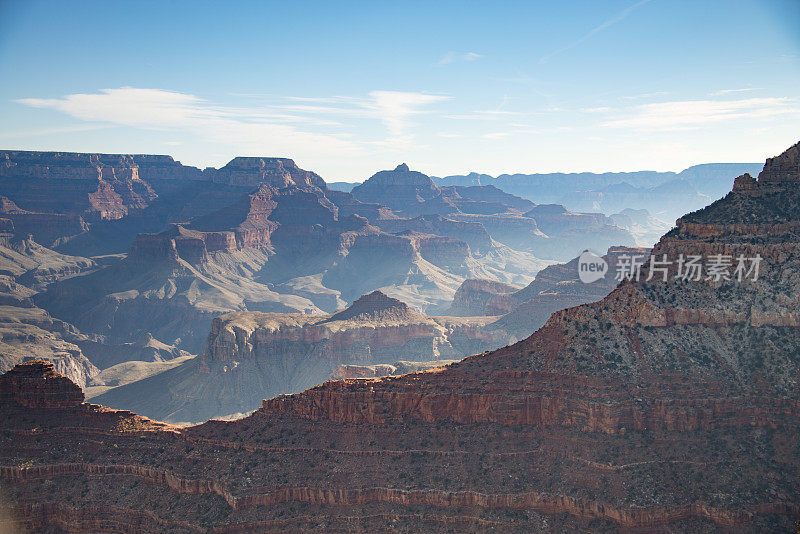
(669, 405)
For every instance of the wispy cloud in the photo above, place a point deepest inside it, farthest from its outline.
(452, 57)
(644, 96)
(253, 130)
(275, 128)
(610, 22)
(498, 113)
(484, 115)
(696, 113)
(396, 108)
(723, 92)
(599, 109)
(51, 131)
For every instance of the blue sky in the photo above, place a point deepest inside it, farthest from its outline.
(349, 88)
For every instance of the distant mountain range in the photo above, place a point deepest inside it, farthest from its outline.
(666, 195)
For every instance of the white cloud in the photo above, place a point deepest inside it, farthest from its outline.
(695, 113)
(732, 91)
(600, 109)
(395, 109)
(274, 129)
(645, 96)
(252, 130)
(486, 114)
(52, 131)
(495, 135)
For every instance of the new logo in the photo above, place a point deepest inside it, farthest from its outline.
(591, 267)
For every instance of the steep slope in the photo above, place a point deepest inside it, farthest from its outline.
(28, 332)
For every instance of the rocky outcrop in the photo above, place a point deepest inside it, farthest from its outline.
(405, 192)
(47, 228)
(780, 173)
(483, 297)
(385, 369)
(276, 172)
(376, 307)
(36, 384)
(439, 250)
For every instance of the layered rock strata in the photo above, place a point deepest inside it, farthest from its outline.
(252, 354)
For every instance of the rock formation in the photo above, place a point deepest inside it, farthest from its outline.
(405, 192)
(276, 172)
(101, 186)
(36, 384)
(252, 354)
(483, 297)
